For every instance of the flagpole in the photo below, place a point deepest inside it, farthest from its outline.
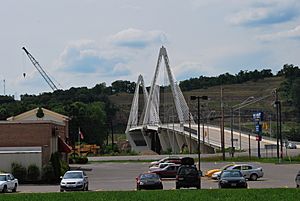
(79, 141)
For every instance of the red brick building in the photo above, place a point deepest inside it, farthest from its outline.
(33, 137)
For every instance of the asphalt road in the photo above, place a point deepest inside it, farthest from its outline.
(121, 176)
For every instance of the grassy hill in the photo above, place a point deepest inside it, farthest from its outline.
(232, 94)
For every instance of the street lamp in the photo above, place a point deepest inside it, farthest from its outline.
(198, 115)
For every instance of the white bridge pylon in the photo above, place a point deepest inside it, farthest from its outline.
(143, 131)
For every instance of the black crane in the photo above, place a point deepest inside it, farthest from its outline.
(41, 70)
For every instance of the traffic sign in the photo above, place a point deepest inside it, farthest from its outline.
(259, 116)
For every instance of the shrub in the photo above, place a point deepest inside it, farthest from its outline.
(64, 168)
(48, 173)
(33, 173)
(56, 164)
(82, 160)
(19, 172)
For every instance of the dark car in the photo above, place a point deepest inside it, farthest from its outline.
(148, 181)
(188, 176)
(232, 179)
(297, 180)
(167, 172)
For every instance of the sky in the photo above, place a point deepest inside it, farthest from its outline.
(84, 43)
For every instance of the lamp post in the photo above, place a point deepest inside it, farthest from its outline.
(198, 115)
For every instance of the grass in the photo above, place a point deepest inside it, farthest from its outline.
(174, 195)
(285, 160)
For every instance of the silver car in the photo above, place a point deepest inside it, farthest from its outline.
(74, 180)
(250, 172)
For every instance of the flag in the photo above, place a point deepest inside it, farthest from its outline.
(80, 134)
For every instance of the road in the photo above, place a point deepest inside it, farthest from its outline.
(121, 176)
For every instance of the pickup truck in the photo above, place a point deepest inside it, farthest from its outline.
(8, 182)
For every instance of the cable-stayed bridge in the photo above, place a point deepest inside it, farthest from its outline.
(150, 129)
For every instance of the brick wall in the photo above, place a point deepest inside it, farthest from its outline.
(30, 134)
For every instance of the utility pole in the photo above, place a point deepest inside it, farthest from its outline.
(4, 87)
(231, 131)
(190, 132)
(222, 125)
(277, 123)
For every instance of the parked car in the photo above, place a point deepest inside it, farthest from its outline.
(160, 166)
(74, 180)
(167, 172)
(188, 176)
(209, 173)
(291, 145)
(169, 159)
(148, 181)
(250, 172)
(8, 182)
(216, 174)
(297, 180)
(232, 179)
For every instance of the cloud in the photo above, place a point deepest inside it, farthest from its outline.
(84, 56)
(189, 69)
(135, 38)
(269, 12)
(289, 34)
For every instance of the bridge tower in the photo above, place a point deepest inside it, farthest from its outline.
(144, 131)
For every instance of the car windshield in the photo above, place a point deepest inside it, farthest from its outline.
(2, 178)
(73, 175)
(149, 176)
(231, 174)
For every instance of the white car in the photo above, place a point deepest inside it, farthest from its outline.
(159, 166)
(74, 180)
(250, 172)
(8, 182)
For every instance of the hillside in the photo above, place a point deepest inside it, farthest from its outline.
(232, 94)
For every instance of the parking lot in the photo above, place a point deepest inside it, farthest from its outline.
(121, 176)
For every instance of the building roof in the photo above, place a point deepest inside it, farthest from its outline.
(32, 115)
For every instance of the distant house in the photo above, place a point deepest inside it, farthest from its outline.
(31, 138)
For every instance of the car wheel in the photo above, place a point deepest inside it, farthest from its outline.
(15, 188)
(253, 177)
(297, 186)
(177, 187)
(4, 190)
(61, 190)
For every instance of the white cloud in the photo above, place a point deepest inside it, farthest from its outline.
(191, 69)
(289, 34)
(268, 12)
(135, 38)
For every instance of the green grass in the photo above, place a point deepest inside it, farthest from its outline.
(173, 195)
(285, 160)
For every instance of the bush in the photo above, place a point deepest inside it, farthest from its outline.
(82, 160)
(33, 173)
(56, 164)
(64, 168)
(19, 172)
(48, 175)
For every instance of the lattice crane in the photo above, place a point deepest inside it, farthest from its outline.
(41, 70)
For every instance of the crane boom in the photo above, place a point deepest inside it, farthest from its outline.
(40, 70)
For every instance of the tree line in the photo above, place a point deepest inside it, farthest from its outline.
(92, 111)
